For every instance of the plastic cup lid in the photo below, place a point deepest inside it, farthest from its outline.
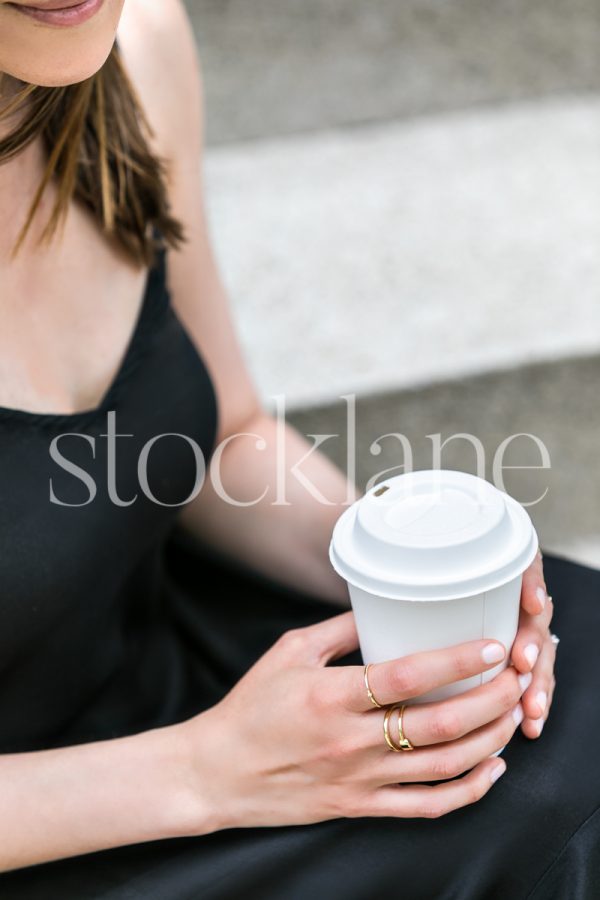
(432, 535)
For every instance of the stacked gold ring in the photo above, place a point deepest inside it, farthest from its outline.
(403, 741)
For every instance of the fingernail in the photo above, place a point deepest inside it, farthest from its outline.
(531, 652)
(492, 653)
(517, 714)
(541, 595)
(541, 699)
(525, 681)
(497, 771)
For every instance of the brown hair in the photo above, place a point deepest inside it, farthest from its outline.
(95, 135)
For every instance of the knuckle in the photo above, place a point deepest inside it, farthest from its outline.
(338, 806)
(331, 752)
(354, 808)
(430, 809)
(462, 664)
(293, 639)
(320, 696)
(446, 724)
(508, 694)
(403, 678)
(336, 752)
(446, 765)
(474, 792)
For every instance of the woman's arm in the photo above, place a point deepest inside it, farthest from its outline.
(74, 800)
(286, 533)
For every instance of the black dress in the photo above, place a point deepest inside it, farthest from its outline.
(107, 628)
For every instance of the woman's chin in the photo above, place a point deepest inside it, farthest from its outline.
(48, 73)
(60, 79)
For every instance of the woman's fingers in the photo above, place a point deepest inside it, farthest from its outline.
(424, 801)
(434, 723)
(533, 651)
(533, 589)
(531, 636)
(410, 676)
(445, 760)
(538, 697)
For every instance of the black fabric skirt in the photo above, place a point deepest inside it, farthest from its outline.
(535, 836)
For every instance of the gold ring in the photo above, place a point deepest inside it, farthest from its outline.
(369, 691)
(386, 728)
(404, 742)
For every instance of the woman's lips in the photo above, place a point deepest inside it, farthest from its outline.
(60, 12)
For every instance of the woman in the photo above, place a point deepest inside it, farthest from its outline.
(163, 664)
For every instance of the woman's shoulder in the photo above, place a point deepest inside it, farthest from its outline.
(158, 47)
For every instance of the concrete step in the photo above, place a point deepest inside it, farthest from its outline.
(390, 256)
(557, 402)
(278, 66)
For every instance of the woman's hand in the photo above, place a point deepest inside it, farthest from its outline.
(533, 650)
(296, 742)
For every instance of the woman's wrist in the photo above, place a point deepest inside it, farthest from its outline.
(209, 758)
(192, 803)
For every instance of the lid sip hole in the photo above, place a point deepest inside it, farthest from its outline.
(381, 490)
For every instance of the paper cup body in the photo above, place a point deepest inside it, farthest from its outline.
(389, 629)
(434, 558)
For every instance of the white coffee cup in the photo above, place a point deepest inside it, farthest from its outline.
(434, 558)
